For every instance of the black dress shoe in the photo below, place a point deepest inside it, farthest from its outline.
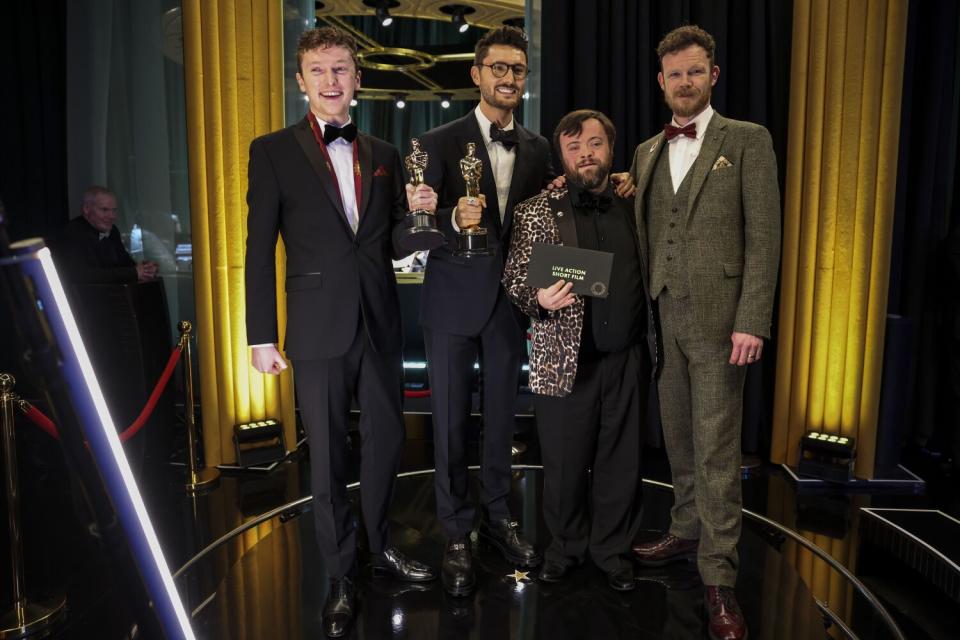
(340, 607)
(553, 571)
(505, 535)
(457, 571)
(394, 564)
(621, 579)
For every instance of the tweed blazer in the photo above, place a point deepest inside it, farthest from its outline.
(548, 217)
(729, 234)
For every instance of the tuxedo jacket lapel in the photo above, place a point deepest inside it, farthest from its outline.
(712, 139)
(522, 163)
(365, 151)
(563, 215)
(304, 136)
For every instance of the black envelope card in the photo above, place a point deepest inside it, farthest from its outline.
(588, 270)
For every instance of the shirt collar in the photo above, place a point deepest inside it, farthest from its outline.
(485, 123)
(702, 120)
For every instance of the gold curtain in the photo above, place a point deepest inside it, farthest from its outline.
(846, 82)
(233, 60)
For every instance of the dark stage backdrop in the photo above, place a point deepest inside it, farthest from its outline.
(33, 111)
(33, 116)
(926, 209)
(602, 55)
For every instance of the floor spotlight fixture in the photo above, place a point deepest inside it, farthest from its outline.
(400, 100)
(445, 99)
(828, 456)
(458, 15)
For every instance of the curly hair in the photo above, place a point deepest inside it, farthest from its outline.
(323, 38)
(683, 37)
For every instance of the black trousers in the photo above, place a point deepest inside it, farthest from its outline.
(450, 361)
(597, 427)
(325, 389)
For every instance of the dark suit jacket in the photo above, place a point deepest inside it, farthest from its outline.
(459, 294)
(548, 217)
(333, 275)
(82, 258)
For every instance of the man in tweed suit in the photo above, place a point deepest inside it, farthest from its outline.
(708, 210)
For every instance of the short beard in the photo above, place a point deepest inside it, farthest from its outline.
(584, 183)
(696, 108)
(498, 101)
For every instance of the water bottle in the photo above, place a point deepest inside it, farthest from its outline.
(136, 243)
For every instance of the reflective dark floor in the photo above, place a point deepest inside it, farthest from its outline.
(277, 588)
(268, 581)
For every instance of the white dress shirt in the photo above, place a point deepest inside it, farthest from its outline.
(501, 162)
(341, 155)
(684, 150)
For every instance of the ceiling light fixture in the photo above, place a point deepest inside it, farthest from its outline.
(445, 99)
(458, 15)
(460, 22)
(400, 100)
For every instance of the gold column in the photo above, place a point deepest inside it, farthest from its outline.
(233, 60)
(846, 82)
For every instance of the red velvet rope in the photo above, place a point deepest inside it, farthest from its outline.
(38, 418)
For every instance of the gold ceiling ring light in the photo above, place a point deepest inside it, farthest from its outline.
(487, 14)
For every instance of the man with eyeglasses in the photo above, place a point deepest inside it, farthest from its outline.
(465, 313)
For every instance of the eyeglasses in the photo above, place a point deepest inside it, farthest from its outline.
(499, 69)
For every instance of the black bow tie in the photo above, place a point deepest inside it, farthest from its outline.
(506, 137)
(331, 132)
(588, 200)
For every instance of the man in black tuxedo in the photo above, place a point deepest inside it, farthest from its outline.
(337, 198)
(464, 310)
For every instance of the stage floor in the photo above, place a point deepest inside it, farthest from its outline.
(276, 589)
(248, 564)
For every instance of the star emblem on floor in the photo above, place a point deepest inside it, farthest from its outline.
(519, 576)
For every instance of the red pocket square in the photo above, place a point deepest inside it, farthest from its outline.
(381, 171)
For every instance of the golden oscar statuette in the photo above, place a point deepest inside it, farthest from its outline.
(472, 241)
(421, 233)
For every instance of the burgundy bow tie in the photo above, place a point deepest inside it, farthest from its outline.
(690, 130)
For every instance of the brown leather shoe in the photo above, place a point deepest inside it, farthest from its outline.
(664, 550)
(726, 619)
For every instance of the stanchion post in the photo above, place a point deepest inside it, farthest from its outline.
(197, 479)
(26, 617)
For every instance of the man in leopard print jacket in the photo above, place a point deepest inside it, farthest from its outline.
(590, 365)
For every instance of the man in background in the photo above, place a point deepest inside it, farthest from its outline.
(90, 251)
